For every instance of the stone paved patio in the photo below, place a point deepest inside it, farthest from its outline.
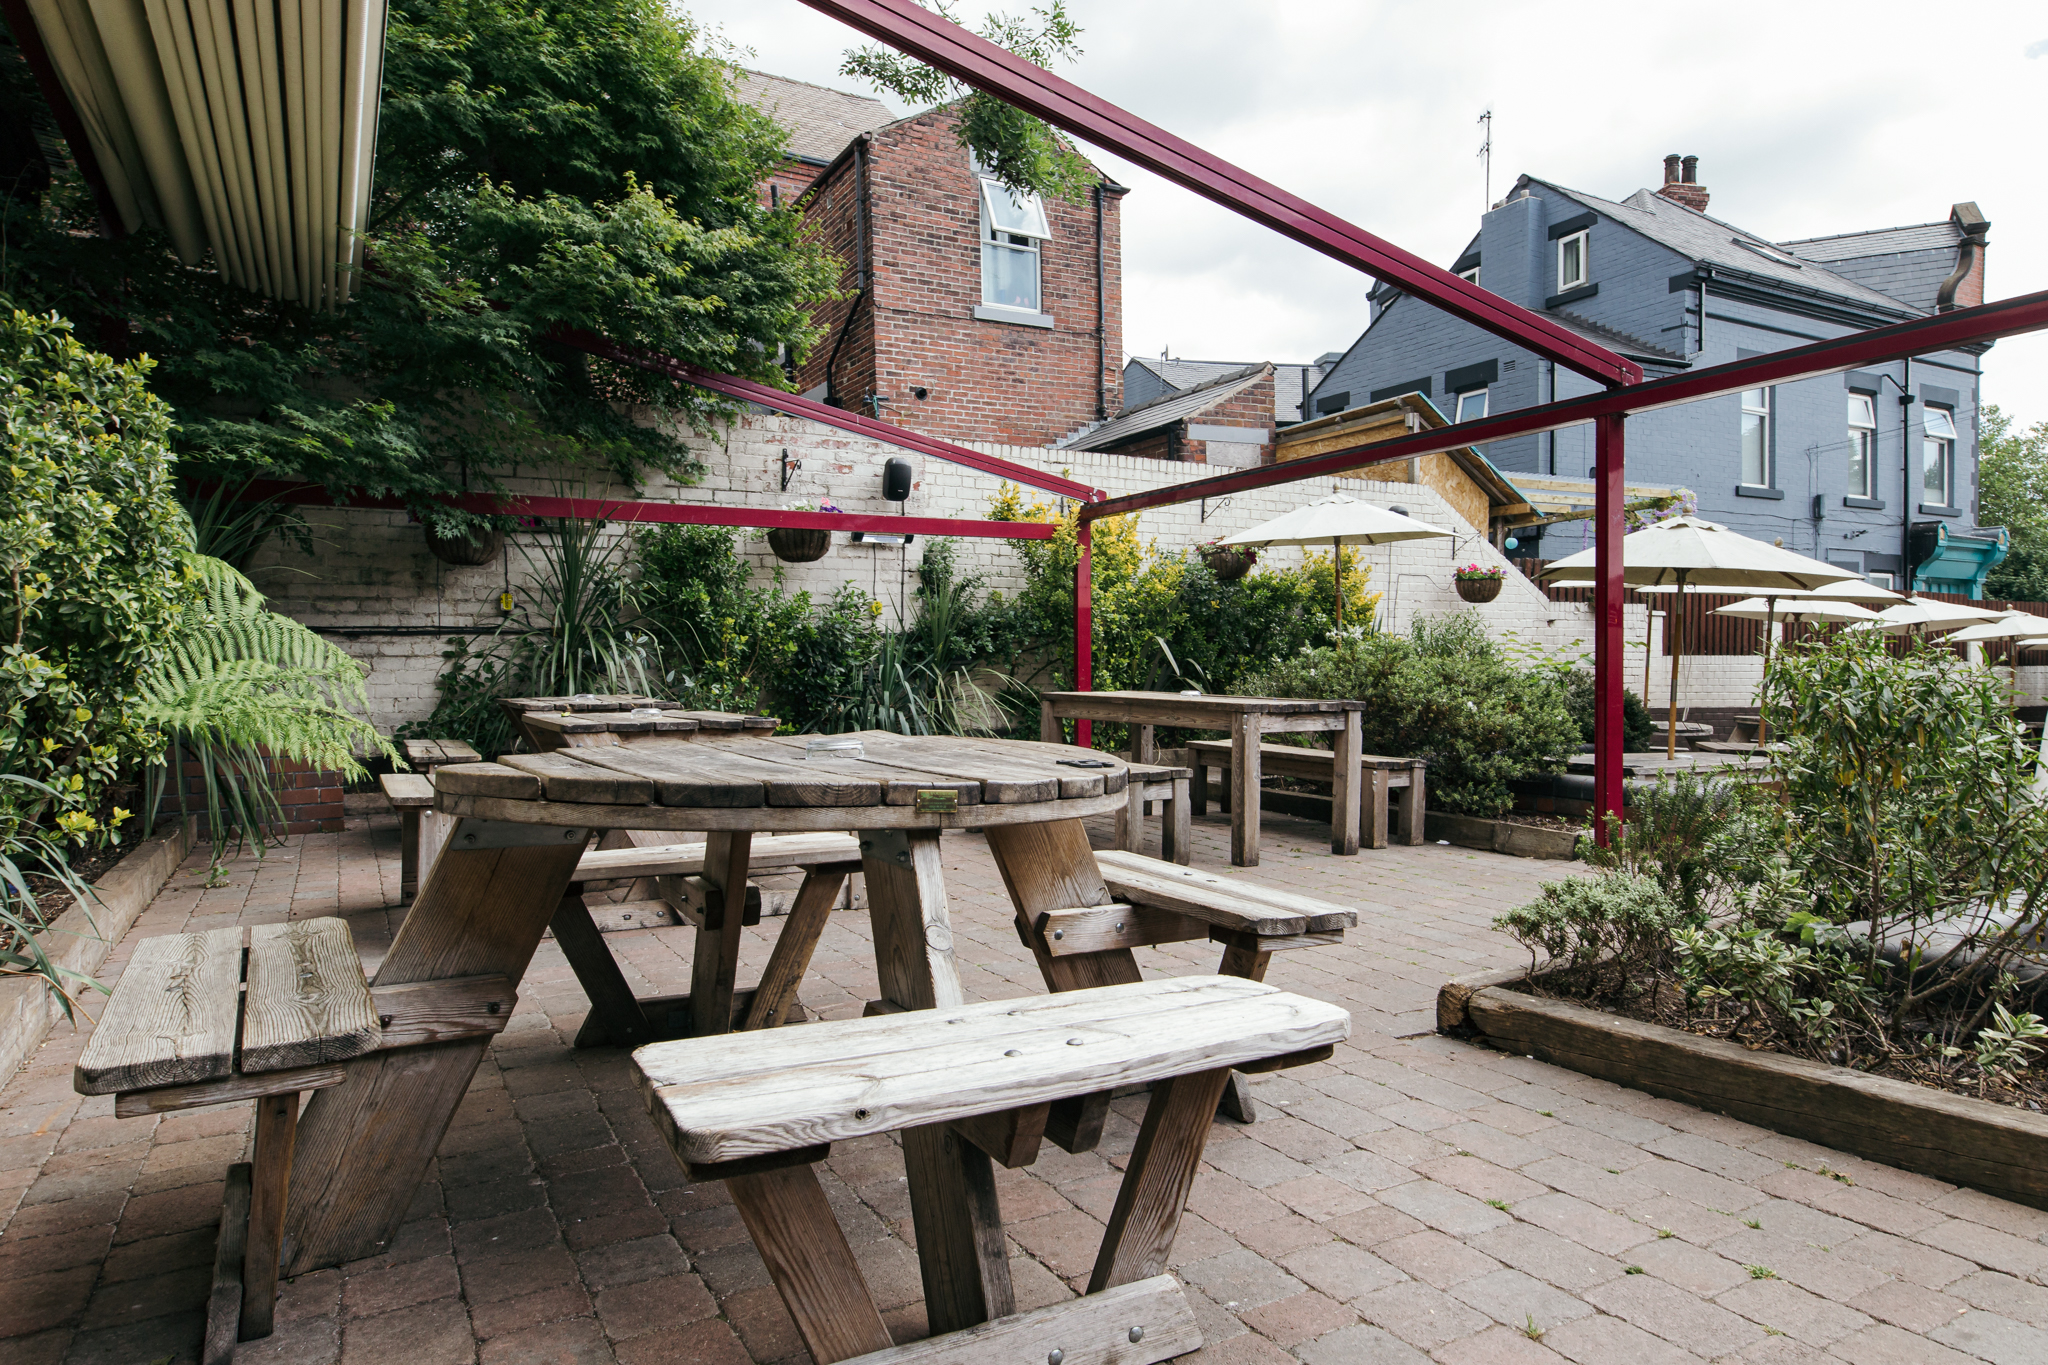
(1415, 1199)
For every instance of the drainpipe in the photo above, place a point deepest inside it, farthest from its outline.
(1906, 477)
(1973, 240)
(861, 277)
(1101, 317)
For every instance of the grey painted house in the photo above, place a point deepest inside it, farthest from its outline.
(1842, 467)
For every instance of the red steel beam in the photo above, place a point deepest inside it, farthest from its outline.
(670, 513)
(1609, 593)
(1943, 331)
(796, 406)
(979, 63)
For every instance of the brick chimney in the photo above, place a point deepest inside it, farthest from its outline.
(1681, 182)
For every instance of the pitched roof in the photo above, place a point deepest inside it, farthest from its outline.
(1710, 241)
(1908, 263)
(820, 121)
(1291, 383)
(1170, 408)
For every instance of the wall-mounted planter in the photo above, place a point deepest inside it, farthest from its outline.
(799, 546)
(1990, 1147)
(1229, 562)
(470, 550)
(1478, 589)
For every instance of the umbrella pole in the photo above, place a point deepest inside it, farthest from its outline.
(1337, 565)
(1763, 726)
(1677, 615)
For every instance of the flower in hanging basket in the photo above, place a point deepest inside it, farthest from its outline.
(1471, 572)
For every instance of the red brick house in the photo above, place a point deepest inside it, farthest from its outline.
(970, 315)
(1227, 419)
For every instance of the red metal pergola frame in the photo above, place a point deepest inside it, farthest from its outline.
(984, 66)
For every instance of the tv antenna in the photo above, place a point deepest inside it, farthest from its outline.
(1486, 154)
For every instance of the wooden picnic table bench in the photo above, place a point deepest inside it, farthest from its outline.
(968, 1085)
(411, 797)
(1168, 785)
(1160, 902)
(182, 1032)
(1382, 776)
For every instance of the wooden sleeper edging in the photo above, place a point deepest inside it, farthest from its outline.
(1986, 1146)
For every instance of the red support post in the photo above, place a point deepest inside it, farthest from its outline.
(1609, 592)
(1084, 626)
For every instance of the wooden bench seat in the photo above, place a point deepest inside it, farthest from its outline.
(966, 1085)
(412, 796)
(181, 1031)
(1168, 785)
(1157, 902)
(1383, 774)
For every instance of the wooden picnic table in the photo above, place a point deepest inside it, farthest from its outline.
(1246, 720)
(522, 825)
(553, 722)
(1655, 763)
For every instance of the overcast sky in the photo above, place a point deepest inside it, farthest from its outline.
(1807, 118)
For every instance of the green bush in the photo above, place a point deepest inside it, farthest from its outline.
(92, 569)
(1638, 730)
(1599, 930)
(1447, 695)
(1685, 831)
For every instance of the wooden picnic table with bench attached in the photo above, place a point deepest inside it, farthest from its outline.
(1385, 780)
(1246, 720)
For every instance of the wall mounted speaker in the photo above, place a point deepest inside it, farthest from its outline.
(896, 479)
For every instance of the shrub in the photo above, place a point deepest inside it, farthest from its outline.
(1446, 695)
(1599, 930)
(1638, 730)
(1685, 831)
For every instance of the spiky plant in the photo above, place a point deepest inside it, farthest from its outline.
(239, 686)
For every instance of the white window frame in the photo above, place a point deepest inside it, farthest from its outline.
(1862, 445)
(1468, 394)
(1030, 210)
(1762, 408)
(1472, 275)
(1940, 446)
(1584, 238)
(1880, 578)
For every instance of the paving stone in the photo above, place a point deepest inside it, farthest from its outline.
(1359, 1345)
(1419, 1315)
(1793, 1311)
(1671, 1313)
(1993, 1337)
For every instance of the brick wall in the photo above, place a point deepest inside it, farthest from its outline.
(374, 589)
(916, 329)
(311, 797)
(842, 361)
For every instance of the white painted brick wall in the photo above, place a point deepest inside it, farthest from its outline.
(371, 570)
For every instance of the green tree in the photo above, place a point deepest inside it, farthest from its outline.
(1019, 149)
(2012, 474)
(557, 164)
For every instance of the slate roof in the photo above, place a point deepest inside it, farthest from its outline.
(1713, 242)
(1908, 263)
(1621, 343)
(1170, 408)
(821, 121)
(1291, 383)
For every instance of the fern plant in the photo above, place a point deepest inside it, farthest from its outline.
(238, 686)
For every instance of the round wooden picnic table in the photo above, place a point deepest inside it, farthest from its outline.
(520, 827)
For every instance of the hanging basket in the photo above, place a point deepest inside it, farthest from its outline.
(799, 546)
(480, 547)
(1478, 589)
(1229, 562)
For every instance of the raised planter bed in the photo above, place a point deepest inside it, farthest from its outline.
(1500, 836)
(1991, 1147)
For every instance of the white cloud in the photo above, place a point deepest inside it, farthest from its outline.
(1807, 119)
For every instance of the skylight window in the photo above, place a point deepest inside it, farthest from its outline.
(1770, 253)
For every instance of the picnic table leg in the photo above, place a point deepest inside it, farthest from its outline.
(1245, 735)
(1344, 776)
(1049, 725)
(1175, 831)
(961, 1255)
(364, 1145)
(597, 971)
(1416, 806)
(1144, 744)
(277, 1124)
(1237, 1091)
(801, 929)
(1051, 867)
(408, 852)
(1376, 807)
(1199, 783)
(801, 1242)
(1130, 819)
(1155, 1187)
(715, 965)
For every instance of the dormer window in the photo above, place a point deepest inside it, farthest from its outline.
(1014, 231)
(1574, 262)
(1472, 274)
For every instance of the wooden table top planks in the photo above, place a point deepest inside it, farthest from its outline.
(1205, 712)
(763, 784)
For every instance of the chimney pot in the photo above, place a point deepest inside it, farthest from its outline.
(1692, 170)
(1671, 169)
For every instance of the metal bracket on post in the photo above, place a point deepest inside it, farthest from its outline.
(889, 845)
(488, 834)
(787, 466)
(1221, 503)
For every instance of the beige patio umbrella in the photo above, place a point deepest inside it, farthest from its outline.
(1337, 521)
(1804, 607)
(1692, 552)
(1926, 613)
(2007, 625)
